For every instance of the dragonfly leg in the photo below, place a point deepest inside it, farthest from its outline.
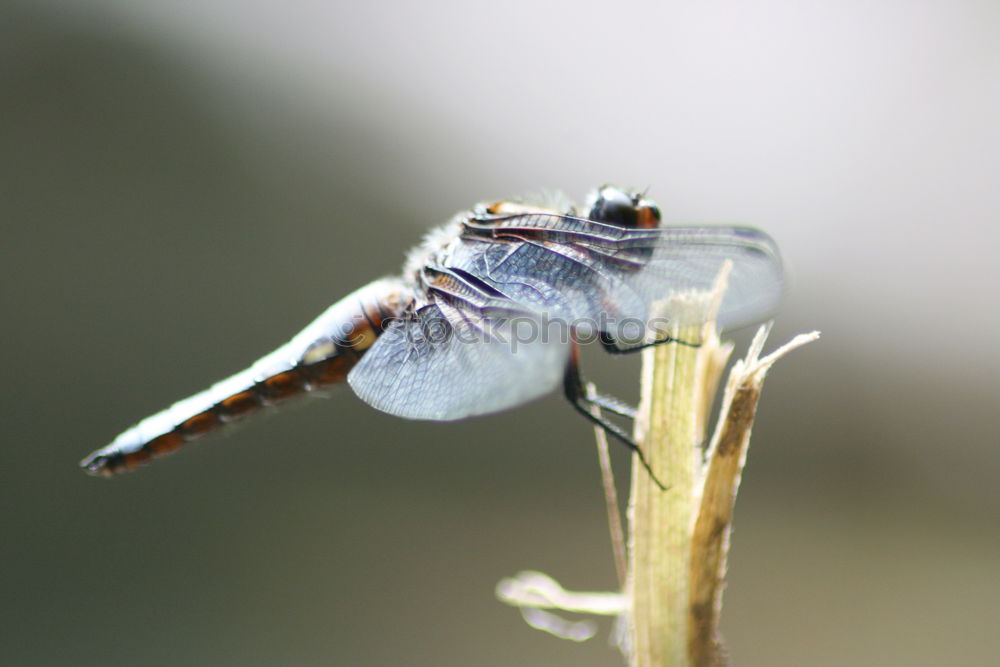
(576, 393)
(612, 346)
(611, 404)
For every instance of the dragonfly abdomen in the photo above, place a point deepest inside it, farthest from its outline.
(321, 355)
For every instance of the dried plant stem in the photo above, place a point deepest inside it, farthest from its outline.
(610, 496)
(669, 433)
(726, 457)
(679, 538)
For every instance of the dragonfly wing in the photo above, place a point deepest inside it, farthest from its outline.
(585, 270)
(690, 258)
(438, 366)
(560, 281)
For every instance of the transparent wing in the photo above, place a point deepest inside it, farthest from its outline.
(443, 364)
(581, 269)
(690, 258)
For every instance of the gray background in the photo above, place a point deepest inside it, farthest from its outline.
(184, 184)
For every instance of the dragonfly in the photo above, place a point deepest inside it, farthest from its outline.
(488, 314)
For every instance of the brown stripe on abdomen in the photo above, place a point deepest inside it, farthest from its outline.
(142, 444)
(321, 355)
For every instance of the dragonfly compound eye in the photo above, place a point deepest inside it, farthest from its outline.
(647, 214)
(613, 206)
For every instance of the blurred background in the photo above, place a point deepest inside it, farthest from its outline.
(185, 184)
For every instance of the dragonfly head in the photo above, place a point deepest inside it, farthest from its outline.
(615, 206)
